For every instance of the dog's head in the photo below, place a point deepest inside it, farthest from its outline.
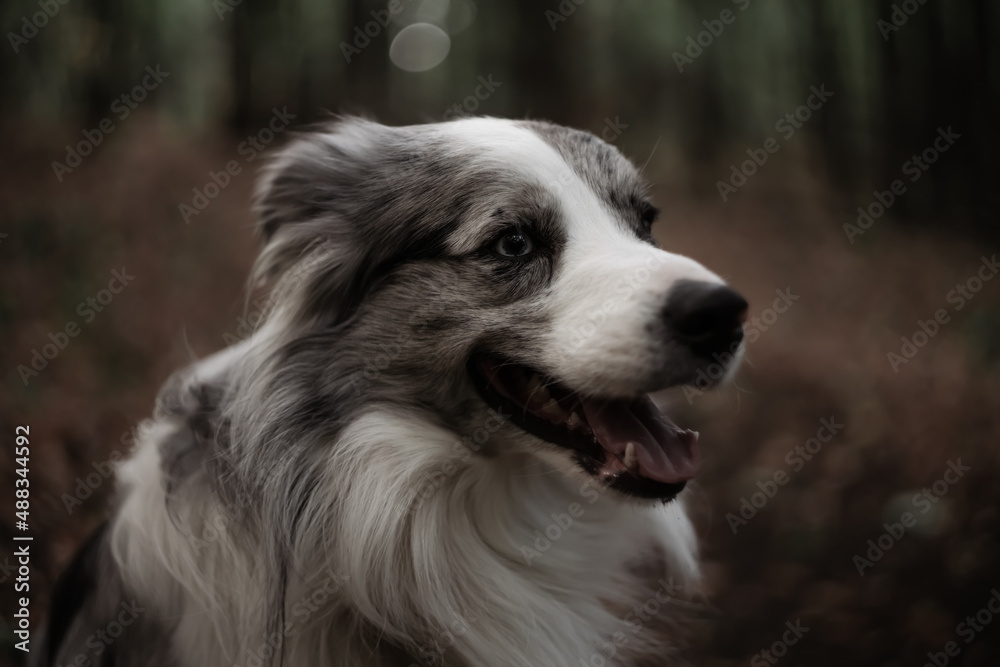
(493, 263)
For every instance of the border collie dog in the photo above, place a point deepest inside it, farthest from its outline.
(438, 448)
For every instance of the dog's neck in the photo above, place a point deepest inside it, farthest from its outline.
(500, 561)
(416, 551)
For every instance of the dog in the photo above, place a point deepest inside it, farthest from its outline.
(439, 446)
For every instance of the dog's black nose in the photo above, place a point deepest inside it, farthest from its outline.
(707, 317)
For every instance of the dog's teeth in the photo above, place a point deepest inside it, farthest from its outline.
(536, 385)
(574, 421)
(630, 460)
(553, 410)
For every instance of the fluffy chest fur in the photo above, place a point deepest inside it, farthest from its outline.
(433, 556)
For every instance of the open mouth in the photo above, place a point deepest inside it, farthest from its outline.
(627, 443)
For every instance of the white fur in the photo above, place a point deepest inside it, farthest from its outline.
(459, 569)
(613, 283)
(469, 552)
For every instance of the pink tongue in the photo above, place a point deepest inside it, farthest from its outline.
(664, 452)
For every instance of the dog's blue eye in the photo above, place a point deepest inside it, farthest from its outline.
(515, 244)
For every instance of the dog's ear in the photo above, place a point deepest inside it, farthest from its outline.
(308, 194)
(314, 204)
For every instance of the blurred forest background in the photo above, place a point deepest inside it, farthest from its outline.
(696, 91)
